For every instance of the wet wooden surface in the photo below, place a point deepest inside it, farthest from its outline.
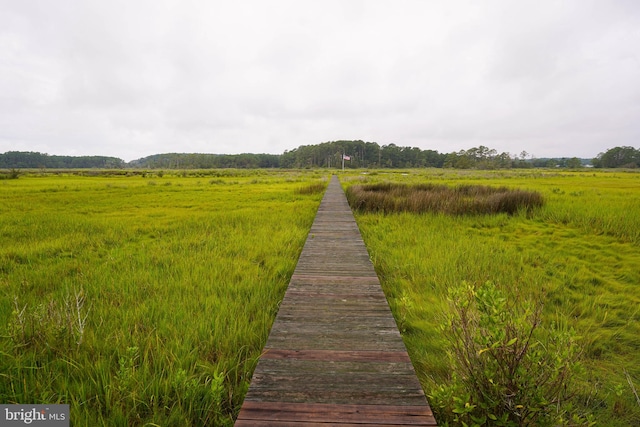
(334, 355)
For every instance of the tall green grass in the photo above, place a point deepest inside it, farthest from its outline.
(144, 304)
(579, 253)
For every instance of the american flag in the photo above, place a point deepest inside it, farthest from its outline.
(344, 156)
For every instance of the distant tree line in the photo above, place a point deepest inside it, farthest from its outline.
(356, 154)
(207, 161)
(371, 155)
(31, 160)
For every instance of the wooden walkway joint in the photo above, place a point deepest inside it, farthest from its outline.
(334, 354)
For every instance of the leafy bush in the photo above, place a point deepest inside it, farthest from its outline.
(506, 370)
(460, 200)
(11, 174)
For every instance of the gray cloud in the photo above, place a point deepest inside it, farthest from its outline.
(130, 79)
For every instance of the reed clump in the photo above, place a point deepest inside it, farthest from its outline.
(437, 198)
(313, 188)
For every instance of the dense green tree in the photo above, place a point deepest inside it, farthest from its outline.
(503, 161)
(618, 157)
(574, 163)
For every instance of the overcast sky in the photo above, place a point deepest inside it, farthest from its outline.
(131, 78)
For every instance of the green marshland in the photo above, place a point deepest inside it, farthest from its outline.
(146, 298)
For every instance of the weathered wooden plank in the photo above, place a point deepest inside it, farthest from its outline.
(334, 355)
(338, 355)
(379, 415)
(301, 278)
(284, 390)
(340, 301)
(344, 341)
(323, 367)
(324, 322)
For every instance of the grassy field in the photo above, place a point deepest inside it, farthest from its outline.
(145, 299)
(580, 252)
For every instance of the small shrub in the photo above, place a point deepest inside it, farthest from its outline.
(125, 376)
(12, 174)
(506, 370)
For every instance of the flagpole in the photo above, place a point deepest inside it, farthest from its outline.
(342, 162)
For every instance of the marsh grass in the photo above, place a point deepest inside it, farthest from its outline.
(578, 254)
(464, 199)
(314, 188)
(143, 304)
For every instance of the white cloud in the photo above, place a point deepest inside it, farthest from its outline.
(130, 79)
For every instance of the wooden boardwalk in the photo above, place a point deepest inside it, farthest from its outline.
(334, 355)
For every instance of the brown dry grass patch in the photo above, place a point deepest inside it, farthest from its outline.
(437, 198)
